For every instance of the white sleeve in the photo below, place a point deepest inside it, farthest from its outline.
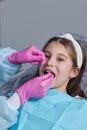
(14, 101)
(8, 116)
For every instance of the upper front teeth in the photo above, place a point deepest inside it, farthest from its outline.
(45, 72)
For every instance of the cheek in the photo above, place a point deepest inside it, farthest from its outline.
(66, 71)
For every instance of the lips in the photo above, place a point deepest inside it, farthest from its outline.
(47, 71)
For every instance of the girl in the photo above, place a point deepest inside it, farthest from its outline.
(65, 101)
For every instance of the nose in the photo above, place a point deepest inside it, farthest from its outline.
(50, 62)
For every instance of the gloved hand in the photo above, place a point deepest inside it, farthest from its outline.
(29, 55)
(35, 88)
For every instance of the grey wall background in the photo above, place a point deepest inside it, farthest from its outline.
(27, 22)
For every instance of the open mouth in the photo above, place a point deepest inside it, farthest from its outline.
(45, 72)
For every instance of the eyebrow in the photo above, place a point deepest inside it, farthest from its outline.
(59, 54)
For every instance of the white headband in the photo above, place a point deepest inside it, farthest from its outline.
(77, 48)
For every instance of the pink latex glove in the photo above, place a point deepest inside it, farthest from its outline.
(29, 55)
(35, 88)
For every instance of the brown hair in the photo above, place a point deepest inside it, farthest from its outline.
(73, 87)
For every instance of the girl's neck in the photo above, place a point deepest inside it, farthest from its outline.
(62, 89)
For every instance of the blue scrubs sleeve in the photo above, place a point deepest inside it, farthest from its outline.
(7, 69)
(8, 117)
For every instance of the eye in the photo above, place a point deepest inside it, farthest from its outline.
(60, 59)
(47, 56)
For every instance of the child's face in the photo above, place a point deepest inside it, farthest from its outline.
(59, 63)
